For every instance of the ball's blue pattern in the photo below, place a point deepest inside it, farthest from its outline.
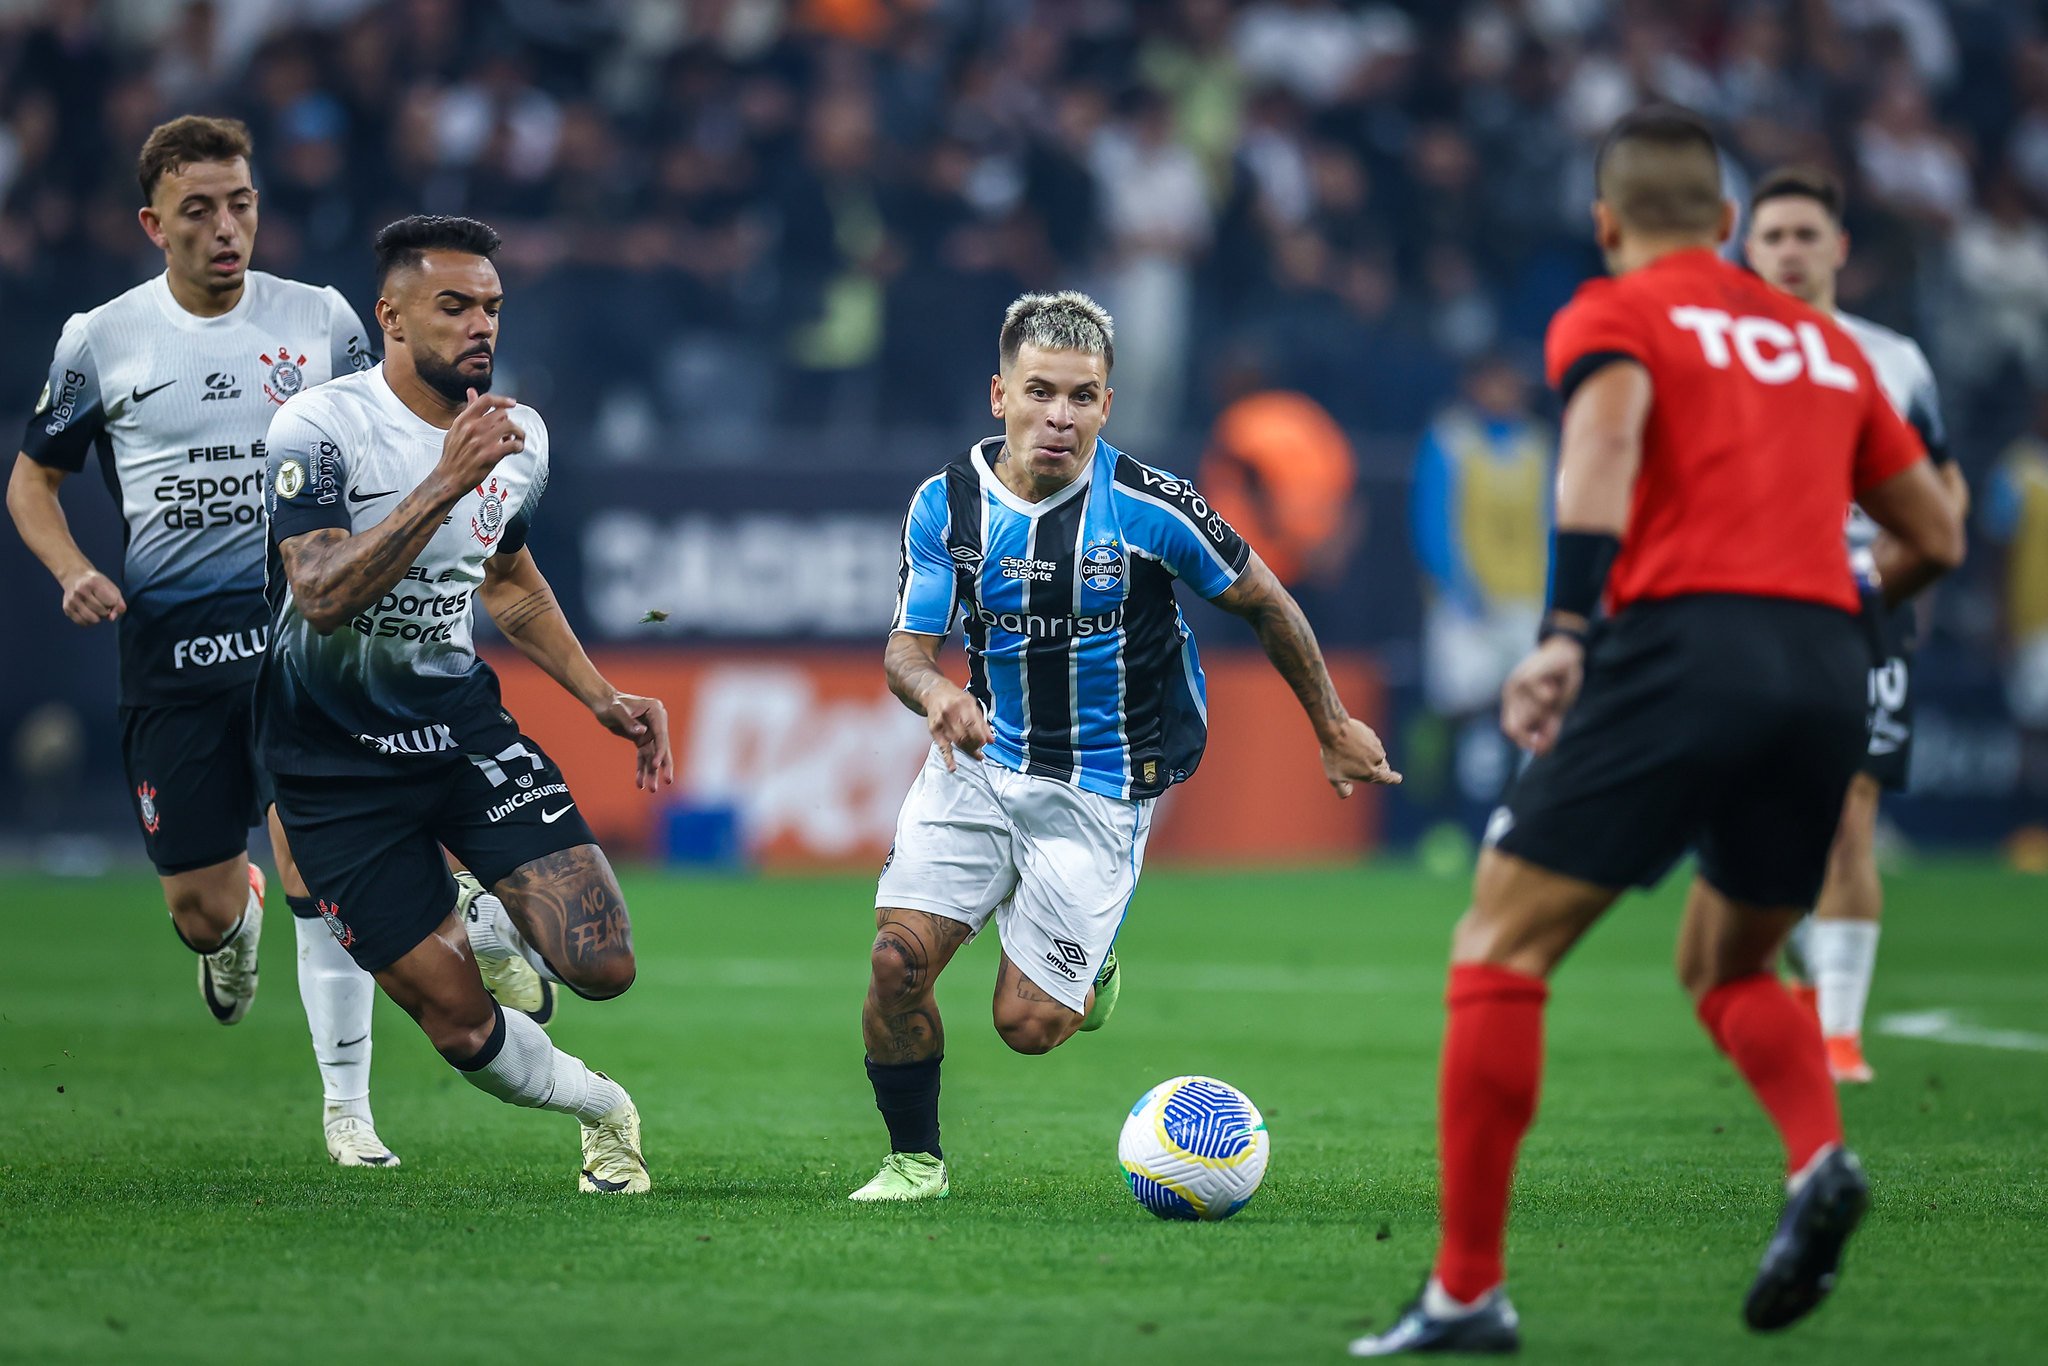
(1209, 1120)
(1157, 1198)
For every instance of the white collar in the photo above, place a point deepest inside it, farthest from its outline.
(993, 482)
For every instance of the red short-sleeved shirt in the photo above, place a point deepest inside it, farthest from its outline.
(1765, 422)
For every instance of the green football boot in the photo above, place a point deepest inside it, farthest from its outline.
(906, 1176)
(1107, 984)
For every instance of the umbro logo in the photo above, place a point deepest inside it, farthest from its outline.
(355, 497)
(136, 395)
(1064, 957)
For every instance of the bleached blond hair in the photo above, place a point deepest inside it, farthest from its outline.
(1066, 321)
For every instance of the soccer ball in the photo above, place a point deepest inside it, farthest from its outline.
(1194, 1148)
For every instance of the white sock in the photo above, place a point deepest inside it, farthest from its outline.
(530, 1071)
(1439, 1303)
(1799, 950)
(338, 997)
(1798, 1179)
(1843, 959)
(495, 935)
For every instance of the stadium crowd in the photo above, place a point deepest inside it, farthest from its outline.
(779, 232)
(731, 217)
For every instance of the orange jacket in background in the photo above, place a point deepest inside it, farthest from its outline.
(1281, 471)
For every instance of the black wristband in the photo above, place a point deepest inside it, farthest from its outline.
(1553, 627)
(1578, 570)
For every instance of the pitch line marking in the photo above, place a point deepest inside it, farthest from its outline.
(1943, 1026)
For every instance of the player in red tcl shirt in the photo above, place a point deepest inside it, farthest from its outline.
(1715, 432)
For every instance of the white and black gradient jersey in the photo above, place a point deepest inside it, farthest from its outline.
(1076, 647)
(176, 407)
(399, 686)
(1908, 381)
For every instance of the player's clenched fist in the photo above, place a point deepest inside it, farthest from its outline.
(483, 434)
(1355, 754)
(1540, 691)
(91, 598)
(956, 721)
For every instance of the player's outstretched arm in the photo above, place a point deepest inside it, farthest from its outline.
(335, 574)
(950, 712)
(89, 596)
(1352, 753)
(518, 597)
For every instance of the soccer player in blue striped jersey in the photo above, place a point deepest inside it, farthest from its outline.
(1084, 702)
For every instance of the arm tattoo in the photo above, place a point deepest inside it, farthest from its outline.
(911, 669)
(569, 907)
(518, 615)
(1289, 641)
(334, 574)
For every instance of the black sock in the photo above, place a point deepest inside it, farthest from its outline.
(303, 907)
(907, 1094)
(226, 939)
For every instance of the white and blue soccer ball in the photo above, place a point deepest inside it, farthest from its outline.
(1194, 1148)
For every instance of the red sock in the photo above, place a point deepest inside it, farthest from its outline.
(1486, 1097)
(1773, 1043)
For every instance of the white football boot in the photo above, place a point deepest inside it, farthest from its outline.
(227, 976)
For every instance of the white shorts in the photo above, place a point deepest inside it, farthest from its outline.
(1055, 865)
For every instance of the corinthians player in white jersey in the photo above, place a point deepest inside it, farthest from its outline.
(399, 498)
(1796, 242)
(173, 385)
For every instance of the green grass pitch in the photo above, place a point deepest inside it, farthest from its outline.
(164, 1195)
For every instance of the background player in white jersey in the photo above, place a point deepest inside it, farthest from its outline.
(173, 384)
(1084, 703)
(1796, 242)
(397, 498)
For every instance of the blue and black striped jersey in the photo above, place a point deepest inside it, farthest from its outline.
(1076, 647)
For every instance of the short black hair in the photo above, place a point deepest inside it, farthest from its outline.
(406, 242)
(1659, 169)
(1801, 182)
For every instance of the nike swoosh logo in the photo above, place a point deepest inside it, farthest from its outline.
(350, 1043)
(137, 395)
(550, 817)
(355, 497)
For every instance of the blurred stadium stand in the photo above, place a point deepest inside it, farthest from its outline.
(756, 252)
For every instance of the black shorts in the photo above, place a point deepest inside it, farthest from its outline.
(194, 779)
(370, 848)
(1889, 753)
(1728, 725)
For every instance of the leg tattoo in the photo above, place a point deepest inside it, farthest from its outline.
(900, 1021)
(1012, 979)
(568, 905)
